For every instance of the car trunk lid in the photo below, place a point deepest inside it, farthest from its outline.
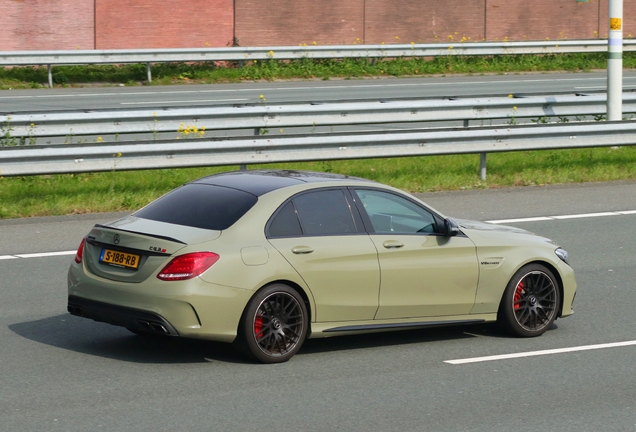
(132, 249)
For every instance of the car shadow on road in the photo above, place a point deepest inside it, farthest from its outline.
(88, 337)
(104, 340)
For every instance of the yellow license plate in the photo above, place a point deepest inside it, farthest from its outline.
(117, 258)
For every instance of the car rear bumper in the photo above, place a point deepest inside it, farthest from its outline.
(133, 319)
(192, 308)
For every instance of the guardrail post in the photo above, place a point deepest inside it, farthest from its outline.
(148, 72)
(482, 166)
(257, 132)
(50, 73)
(482, 158)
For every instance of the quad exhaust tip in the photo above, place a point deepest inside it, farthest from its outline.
(152, 327)
(75, 310)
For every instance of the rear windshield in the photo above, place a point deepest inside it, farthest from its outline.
(200, 206)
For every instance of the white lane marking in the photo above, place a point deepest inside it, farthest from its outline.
(532, 219)
(540, 353)
(561, 217)
(46, 254)
(584, 215)
(191, 101)
(37, 255)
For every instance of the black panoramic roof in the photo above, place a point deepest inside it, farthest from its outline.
(259, 182)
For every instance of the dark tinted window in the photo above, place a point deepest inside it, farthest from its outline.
(324, 212)
(285, 223)
(200, 206)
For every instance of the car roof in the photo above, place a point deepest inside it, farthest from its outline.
(260, 182)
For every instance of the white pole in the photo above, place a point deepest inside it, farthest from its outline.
(615, 61)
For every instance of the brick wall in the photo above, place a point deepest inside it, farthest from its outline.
(163, 24)
(118, 24)
(294, 22)
(46, 25)
(420, 21)
(541, 19)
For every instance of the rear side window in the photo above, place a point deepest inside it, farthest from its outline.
(323, 212)
(200, 206)
(286, 223)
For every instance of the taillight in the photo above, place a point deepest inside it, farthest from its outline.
(188, 266)
(80, 252)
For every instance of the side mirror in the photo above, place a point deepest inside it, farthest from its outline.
(450, 228)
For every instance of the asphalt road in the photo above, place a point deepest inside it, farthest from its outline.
(63, 373)
(158, 97)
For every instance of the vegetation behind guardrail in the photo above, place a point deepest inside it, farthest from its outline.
(287, 63)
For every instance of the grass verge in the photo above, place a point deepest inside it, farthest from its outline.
(124, 191)
(222, 72)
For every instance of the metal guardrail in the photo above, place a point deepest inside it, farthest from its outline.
(149, 56)
(34, 160)
(152, 123)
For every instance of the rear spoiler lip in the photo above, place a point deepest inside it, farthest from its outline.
(142, 233)
(91, 240)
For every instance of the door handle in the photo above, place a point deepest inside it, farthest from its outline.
(301, 250)
(392, 244)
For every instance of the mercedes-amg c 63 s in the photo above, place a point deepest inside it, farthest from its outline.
(265, 259)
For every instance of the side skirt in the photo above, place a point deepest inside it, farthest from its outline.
(401, 326)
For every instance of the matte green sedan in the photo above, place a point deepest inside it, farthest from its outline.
(265, 259)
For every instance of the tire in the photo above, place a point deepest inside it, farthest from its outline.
(530, 303)
(274, 324)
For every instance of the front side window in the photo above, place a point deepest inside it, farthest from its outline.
(391, 213)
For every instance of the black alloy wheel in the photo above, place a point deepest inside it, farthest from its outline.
(530, 303)
(275, 324)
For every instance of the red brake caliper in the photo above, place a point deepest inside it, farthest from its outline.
(518, 292)
(258, 325)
